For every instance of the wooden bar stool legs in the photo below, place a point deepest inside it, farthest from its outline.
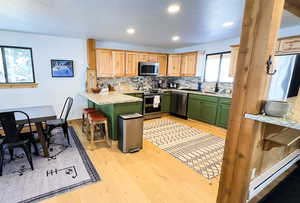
(108, 141)
(97, 120)
(85, 121)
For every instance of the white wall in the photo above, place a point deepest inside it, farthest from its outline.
(127, 46)
(50, 91)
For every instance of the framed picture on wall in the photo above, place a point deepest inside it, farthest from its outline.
(62, 68)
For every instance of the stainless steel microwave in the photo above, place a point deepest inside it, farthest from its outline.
(148, 69)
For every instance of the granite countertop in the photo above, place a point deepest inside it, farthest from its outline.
(197, 92)
(115, 97)
(285, 122)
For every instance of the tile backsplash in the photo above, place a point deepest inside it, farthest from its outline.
(148, 82)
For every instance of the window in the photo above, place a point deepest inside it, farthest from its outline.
(16, 65)
(218, 68)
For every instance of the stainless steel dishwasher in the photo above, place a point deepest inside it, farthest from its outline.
(179, 103)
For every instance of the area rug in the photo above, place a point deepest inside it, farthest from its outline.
(197, 149)
(68, 167)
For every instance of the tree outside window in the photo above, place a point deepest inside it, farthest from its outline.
(16, 65)
(217, 68)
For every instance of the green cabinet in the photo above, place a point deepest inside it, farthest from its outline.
(223, 112)
(193, 111)
(209, 109)
(166, 102)
(208, 112)
(223, 115)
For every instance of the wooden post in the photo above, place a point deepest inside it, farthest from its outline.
(91, 75)
(261, 23)
(91, 53)
(297, 108)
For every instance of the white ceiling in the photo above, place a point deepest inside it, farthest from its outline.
(197, 22)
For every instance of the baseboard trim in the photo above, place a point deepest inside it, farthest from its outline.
(268, 176)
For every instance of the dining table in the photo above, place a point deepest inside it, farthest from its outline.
(37, 115)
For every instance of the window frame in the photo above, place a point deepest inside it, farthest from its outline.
(2, 47)
(220, 65)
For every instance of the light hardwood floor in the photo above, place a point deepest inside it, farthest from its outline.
(150, 175)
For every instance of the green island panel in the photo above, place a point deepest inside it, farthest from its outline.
(112, 111)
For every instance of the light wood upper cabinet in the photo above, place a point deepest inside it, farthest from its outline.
(145, 57)
(289, 45)
(233, 60)
(132, 59)
(110, 63)
(118, 63)
(152, 58)
(174, 64)
(163, 64)
(104, 63)
(188, 64)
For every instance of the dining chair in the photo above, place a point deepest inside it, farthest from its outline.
(14, 138)
(61, 122)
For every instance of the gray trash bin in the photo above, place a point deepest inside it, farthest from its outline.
(130, 132)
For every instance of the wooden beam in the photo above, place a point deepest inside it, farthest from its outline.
(297, 108)
(21, 85)
(91, 53)
(293, 6)
(261, 23)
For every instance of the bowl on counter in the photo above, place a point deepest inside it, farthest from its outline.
(276, 108)
(96, 90)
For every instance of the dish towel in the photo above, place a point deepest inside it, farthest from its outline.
(156, 101)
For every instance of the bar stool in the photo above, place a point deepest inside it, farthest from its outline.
(96, 119)
(85, 120)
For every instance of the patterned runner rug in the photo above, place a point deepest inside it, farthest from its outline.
(197, 149)
(68, 167)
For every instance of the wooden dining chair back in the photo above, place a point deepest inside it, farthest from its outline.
(61, 122)
(14, 138)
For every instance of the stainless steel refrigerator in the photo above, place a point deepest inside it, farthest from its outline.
(285, 82)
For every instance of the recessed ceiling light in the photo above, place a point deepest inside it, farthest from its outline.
(174, 8)
(130, 31)
(227, 24)
(175, 38)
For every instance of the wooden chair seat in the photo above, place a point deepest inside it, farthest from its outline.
(89, 110)
(97, 116)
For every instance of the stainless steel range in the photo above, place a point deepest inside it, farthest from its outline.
(152, 104)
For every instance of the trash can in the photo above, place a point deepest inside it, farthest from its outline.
(130, 132)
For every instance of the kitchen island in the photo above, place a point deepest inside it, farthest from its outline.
(206, 107)
(114, 104)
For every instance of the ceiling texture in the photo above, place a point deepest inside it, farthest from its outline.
(198, 21)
